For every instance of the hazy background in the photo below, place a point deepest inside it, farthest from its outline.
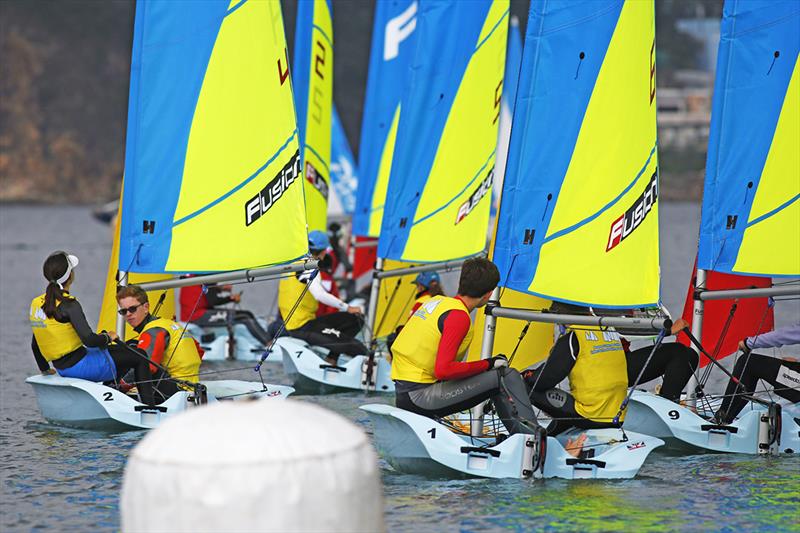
(64, 72)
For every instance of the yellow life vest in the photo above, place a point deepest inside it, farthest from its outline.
(419, 302)
(599, 379)
(414, 351)
(182, 362)
(55, 339)
(289, 291)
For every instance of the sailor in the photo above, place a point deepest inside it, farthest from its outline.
(163, 341)
(62, 336)
(430, 377)
(600, 370)
(429, 284)
(299, 297)
(782, 373)
(205, 311)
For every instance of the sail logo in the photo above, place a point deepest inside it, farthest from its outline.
(622, 227)
(398, 30)
(273, 191)
(477, 195)
(317, 180)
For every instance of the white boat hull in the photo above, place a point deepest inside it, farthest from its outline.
(415, 444)
(310, 373)
(88, 405)
(681, 428)
(217, 345)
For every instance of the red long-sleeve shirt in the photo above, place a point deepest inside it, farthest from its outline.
(454, 326)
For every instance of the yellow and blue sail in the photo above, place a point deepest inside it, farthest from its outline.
(312, 73)
(393, 37)
(578, 218)
(440, 187)
(344, 173)
(751, 205)
(212, 166)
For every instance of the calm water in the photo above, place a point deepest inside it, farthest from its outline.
(60, 479)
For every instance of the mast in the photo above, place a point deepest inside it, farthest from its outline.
(697, 332)
(123, 281)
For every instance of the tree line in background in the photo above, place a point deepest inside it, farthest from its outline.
(64, 73)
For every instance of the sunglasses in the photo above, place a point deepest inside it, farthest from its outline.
(132, 309)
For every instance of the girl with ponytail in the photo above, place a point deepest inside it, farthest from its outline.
(62, 335)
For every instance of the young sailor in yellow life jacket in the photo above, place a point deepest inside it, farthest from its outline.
(164, 341)
(62, 336)
(600, 369)
(430, 377)
(429, 284)
(299, 297)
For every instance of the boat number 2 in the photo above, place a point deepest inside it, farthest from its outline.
(674, 414)
(432, 431)
(107, 397)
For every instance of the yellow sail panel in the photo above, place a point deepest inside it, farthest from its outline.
(395, 299)
(536, 343)
(605, 224)
(319, 106)
(242, 165)
(108, 309)
(773, 225)
(453, 211)
(382, 181)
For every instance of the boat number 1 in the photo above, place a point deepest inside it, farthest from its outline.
(107, 397)
(674, 414)
(432, 431)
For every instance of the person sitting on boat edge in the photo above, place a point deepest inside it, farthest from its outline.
(203, 310)
(783, 374)
(299, 297)
(430, 378)
(62, 335)
(163, 341)
(600, 370)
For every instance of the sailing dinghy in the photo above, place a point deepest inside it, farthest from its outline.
(212, 163)
(571, 178)
(751, 213)
(393, 41)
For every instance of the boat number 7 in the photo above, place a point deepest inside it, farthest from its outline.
(107, 397)
(432, 431)
(299, 353)
(674, 414)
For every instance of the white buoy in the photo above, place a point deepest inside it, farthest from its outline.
(253, 466)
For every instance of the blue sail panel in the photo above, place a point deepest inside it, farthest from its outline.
(393, 37)
(578, 205)
(751, 202)
(439, 194)
(344, 176)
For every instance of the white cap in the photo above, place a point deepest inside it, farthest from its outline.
(72, 262)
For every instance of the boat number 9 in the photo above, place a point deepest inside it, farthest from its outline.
(107, 397)
(432, 431)
(674, 414)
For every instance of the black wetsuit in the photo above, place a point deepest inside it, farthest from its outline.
(69, 310)
(504, 386)
(216, 317)
(784, 376)
(672, 360)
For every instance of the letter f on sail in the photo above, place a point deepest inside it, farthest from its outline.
(397, 30)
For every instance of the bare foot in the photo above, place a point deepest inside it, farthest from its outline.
(574, 447)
